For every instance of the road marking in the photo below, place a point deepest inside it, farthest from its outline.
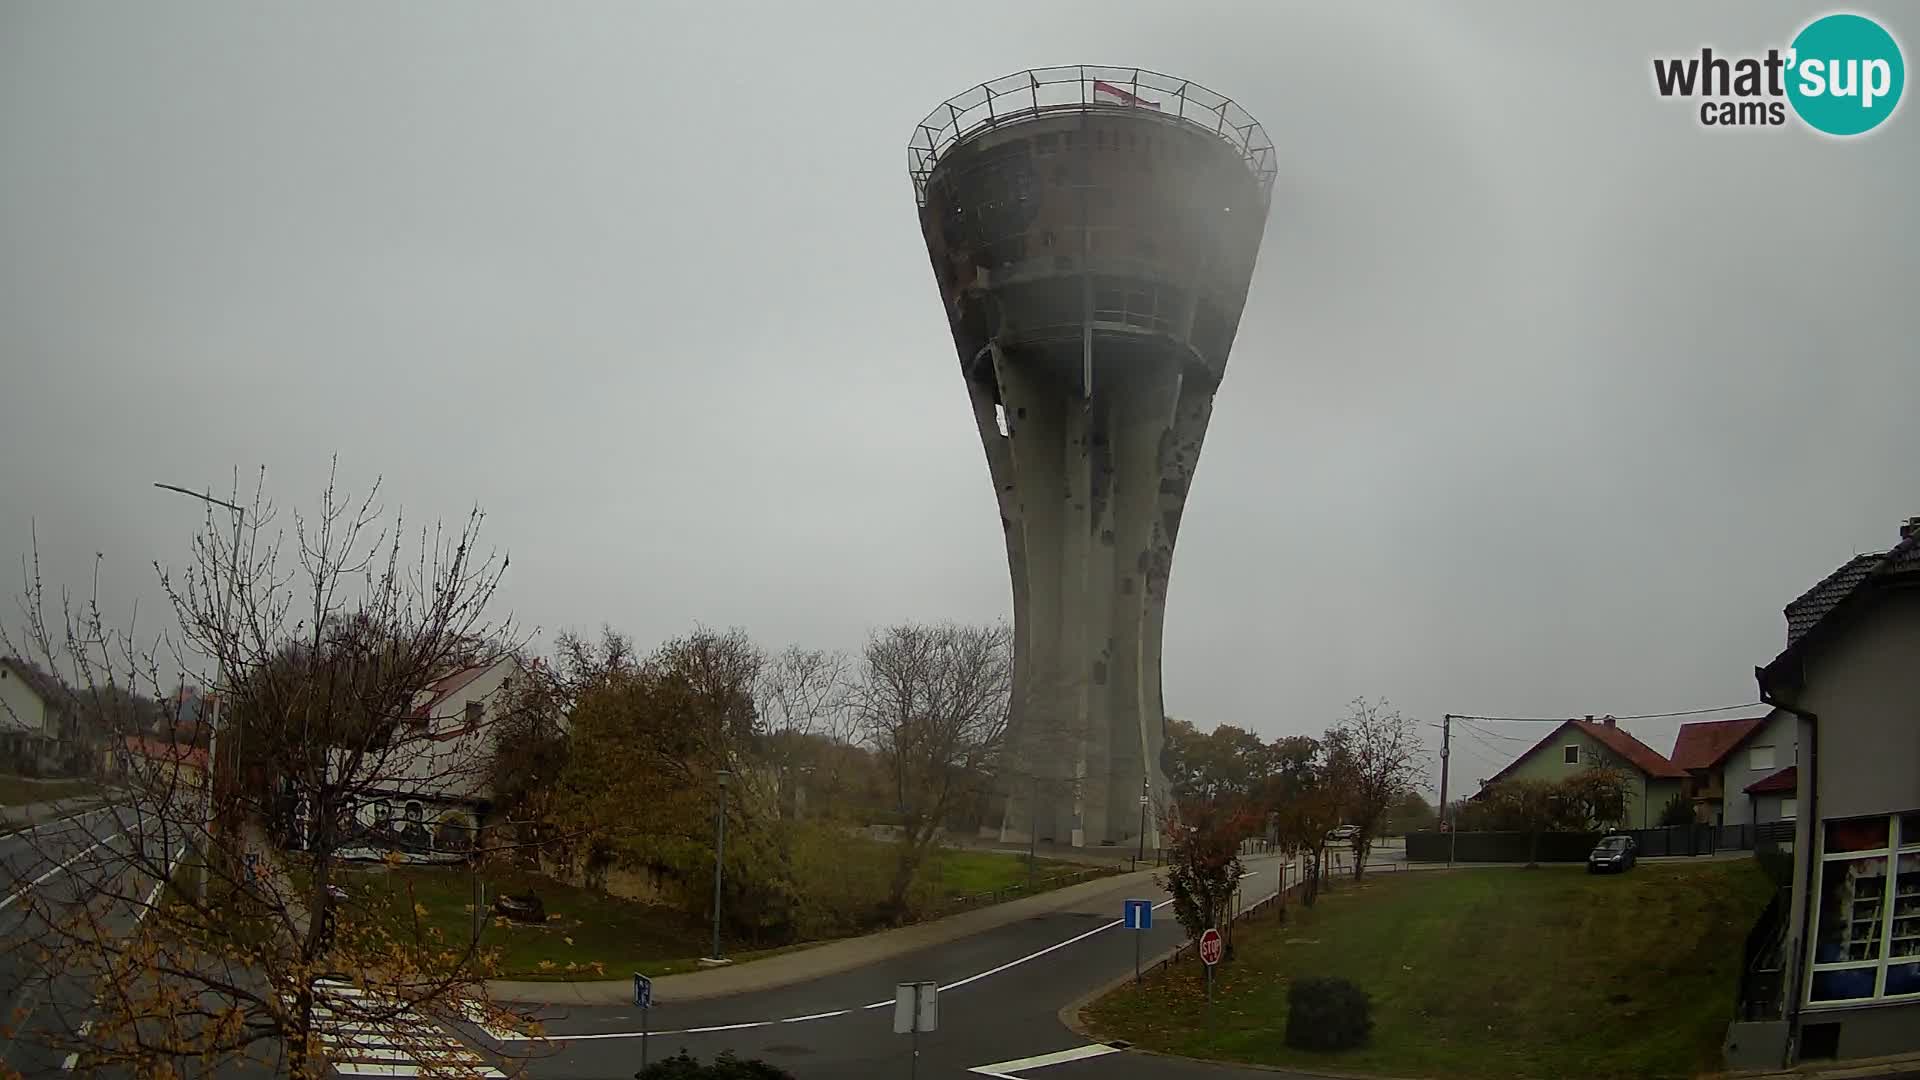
(58, 821)
(24, 889)
(816, 1016)
(401, 1043)
(1003, 1070)
(598, 1035)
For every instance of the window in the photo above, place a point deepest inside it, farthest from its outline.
(1571, 754)
(473, 714)
(1866, 937)
(1789, 808)
(1760, 757)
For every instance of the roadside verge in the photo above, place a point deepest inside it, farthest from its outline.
(812, 962)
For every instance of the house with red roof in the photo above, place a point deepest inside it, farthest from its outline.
(428, 789)
(1726, 757)
(1576, 745)
(1848, 949)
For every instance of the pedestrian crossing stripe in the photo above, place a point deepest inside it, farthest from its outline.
(403, 1043)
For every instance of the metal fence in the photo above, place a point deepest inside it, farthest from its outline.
(1042, 883)
(1037, 91)
(1686, 840)
(1291, 877)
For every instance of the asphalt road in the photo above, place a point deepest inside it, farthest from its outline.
(54, 865)
(1001, 993)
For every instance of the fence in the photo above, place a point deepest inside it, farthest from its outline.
(1573, 847)
(1292, 874)
(1760, 994)
(1044, 883)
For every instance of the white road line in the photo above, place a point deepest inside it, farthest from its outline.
(816, 1016)
(24, 889)
(1004, 1069)
(172, 865)
(593, 1036)
(57, 821)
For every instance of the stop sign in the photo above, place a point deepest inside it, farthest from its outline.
(1210, 946)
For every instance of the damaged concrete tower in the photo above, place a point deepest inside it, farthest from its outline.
(1093, 232)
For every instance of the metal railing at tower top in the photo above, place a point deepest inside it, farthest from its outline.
(1038, 91)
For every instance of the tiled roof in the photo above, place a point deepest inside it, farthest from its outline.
(1813, 605)
(1787, 779)
(1701, 745)
(1824, 602)
(162, 750)
(1638, 754)
(1644, 757)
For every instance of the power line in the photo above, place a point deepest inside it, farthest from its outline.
(1595, 716)
(1495, 734)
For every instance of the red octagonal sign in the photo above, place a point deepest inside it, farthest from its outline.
(1210, 946)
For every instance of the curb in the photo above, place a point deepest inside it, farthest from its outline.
(806, 964)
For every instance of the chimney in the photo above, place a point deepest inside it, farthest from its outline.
(1609, 721)
(1909, 527)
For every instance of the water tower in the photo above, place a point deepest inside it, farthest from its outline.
(1093, 232)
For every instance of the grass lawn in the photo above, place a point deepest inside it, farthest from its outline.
(1490, 972)
(592, 935)
(20, 790)
(973, 873)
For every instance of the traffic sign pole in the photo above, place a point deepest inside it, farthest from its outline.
(1137, 915)
(1210, 953)
(643, 997)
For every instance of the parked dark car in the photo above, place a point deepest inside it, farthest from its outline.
(1615, 853)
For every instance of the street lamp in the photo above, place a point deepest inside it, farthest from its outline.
(220, 659)
(1145, 788)
(719, 857)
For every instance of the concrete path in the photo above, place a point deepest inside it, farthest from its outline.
(828, 958)
(30, 814)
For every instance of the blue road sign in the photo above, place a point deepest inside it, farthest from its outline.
(642, 991)
(1138, 914)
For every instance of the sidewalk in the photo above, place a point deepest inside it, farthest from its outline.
(828, 958)
(1894, 1067)
(14, 818)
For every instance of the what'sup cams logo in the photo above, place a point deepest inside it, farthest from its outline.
(1842, 75)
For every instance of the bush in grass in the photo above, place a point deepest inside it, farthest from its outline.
(725, 1067)
(1327, 1014)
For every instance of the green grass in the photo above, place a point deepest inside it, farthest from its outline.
(1480, 973)
(954, 873)
(20, 790)
(591, 935)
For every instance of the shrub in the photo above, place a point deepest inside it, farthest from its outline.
(725, 1067)
(1327, 1014)
(1678, 811)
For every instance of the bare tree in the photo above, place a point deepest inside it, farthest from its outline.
(1374, 757)
(810, 726)
(932, 700)
(192, 937)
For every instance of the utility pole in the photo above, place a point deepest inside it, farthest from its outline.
(209, 814)
(1033, 831)
(719, 857)
(1446, 751)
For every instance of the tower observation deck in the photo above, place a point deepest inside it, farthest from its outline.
(1093, 232)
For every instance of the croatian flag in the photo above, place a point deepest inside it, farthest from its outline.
(1108, 91)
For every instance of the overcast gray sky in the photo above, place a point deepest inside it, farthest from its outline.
(1546, 399)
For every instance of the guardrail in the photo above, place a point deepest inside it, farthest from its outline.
(1082, 88)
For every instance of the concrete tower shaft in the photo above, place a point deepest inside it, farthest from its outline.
(1093, 232)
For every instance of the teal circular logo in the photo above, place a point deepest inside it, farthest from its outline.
(1845, 74)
